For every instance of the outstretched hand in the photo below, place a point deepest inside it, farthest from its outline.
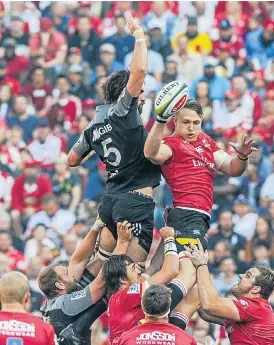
(124, 231)
(197, 254)
(244, 148)
(132, 24)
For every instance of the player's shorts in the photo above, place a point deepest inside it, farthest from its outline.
(136, 208)
(188, 225)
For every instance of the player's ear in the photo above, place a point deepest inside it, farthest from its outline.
(256, 289)
(60, 285)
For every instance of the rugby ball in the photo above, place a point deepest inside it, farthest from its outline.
(171, 98)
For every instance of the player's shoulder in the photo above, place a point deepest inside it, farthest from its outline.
(172, 140)
(257, 305)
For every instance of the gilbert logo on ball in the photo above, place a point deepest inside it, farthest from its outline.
(171, 98)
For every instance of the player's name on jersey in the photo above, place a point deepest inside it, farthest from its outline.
(97, 132)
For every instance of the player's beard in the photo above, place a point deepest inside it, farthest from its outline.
(73, 286)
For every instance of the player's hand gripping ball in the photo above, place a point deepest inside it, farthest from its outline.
(171, 98)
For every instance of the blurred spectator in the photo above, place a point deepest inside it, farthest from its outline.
(4, 264)
(70, 242)
(64, 108)
(38, 90)
(5, 101)
(261, 159)
(47, 255)
(217, 85)
(16, 258)
(36, 297)
(74, 74)
(89, 108)
(225, 232)
(223, 249)
(245, 220)
(202, 96)
(189, 64)
(260, 44)
(80, 228)
(160, 12)
(87, 40)
(58, 16)
(159, 41)
(270, 209)
(269, 74)
(34, 245)
(16, 64)
(234, 44)
(6, 183)
(82, 123)
(46, 148)
(58, 221)
(230, 115)
(75, 58)
(121, 40)
(251, 185)
(18, 33)
(22, 118)
(250, 101)
(108, 58)
(118, 8)
(259, 84)
(13, 83)
(170, 71)
(267, 191)
(65, 185)
(227, 276)
(198, 42)
(27, 193)
(48, 47)
(155, 61)
(262, 256)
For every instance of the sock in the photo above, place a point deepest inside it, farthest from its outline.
(178, 319)
(178, 292)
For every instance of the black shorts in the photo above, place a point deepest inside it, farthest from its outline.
(188, 225)
(136, 208)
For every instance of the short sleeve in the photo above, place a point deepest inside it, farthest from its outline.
(213, 145)
(82, 147)
(172, 144)
(246, 309)
(124, 103)
(76, 302)
(132, 296)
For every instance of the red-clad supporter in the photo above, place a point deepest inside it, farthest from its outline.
(156, 303)
(6, 183)
(17, 326)
(89, 108)
(64, 109)
(16, 258)
(16, 64)
(249, 318)
(13, 83)
(255, 9)
(266, 122)
(49, 46)
(233, 44)
(38, 90)
(145, 6)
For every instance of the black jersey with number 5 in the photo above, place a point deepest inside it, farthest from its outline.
(118, 136)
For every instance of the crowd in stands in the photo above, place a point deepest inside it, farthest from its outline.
(54, 57)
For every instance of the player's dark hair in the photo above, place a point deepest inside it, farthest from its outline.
(265, 280)
(47, 279)
(114, 85)
(114, 271)
(156, 300)
(194, 105)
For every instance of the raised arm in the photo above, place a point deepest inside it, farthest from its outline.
(170, 268)
(138, 66)
(154, 150)
(211, 302)
(235, 166)
(83, 253)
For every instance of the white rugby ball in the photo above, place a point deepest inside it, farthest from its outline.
(171, 98)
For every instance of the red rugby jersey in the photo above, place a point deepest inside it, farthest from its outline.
(190, 171)
(257, 323)
(124, 311)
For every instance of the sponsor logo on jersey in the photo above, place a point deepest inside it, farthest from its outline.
(244, 303)
(78, 294)
(97, 132)
(199, 149)
(17, 328)
(205, 143)
(156, 337)
(134, 289)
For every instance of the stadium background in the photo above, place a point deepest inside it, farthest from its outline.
(54, 56)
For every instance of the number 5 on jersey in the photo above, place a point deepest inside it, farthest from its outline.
(109, 150)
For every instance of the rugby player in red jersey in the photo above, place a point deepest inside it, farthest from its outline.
(156, 303)
(188, 159)
(124, 287)
(249, 319)
(17, 326)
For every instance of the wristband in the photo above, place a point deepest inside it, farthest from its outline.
(200, 265)
(170, 246)
(243, 159)
(97, 226)
(160, 119)
(140, 40)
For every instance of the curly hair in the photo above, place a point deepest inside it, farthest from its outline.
(114, 85)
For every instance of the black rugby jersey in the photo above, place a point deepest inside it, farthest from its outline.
(118, 136)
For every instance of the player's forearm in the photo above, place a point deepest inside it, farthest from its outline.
(121, 247)
(208, 295)
(238, 166)
(212, 319)
(157, 260)
(139, 57)
(154, 139)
